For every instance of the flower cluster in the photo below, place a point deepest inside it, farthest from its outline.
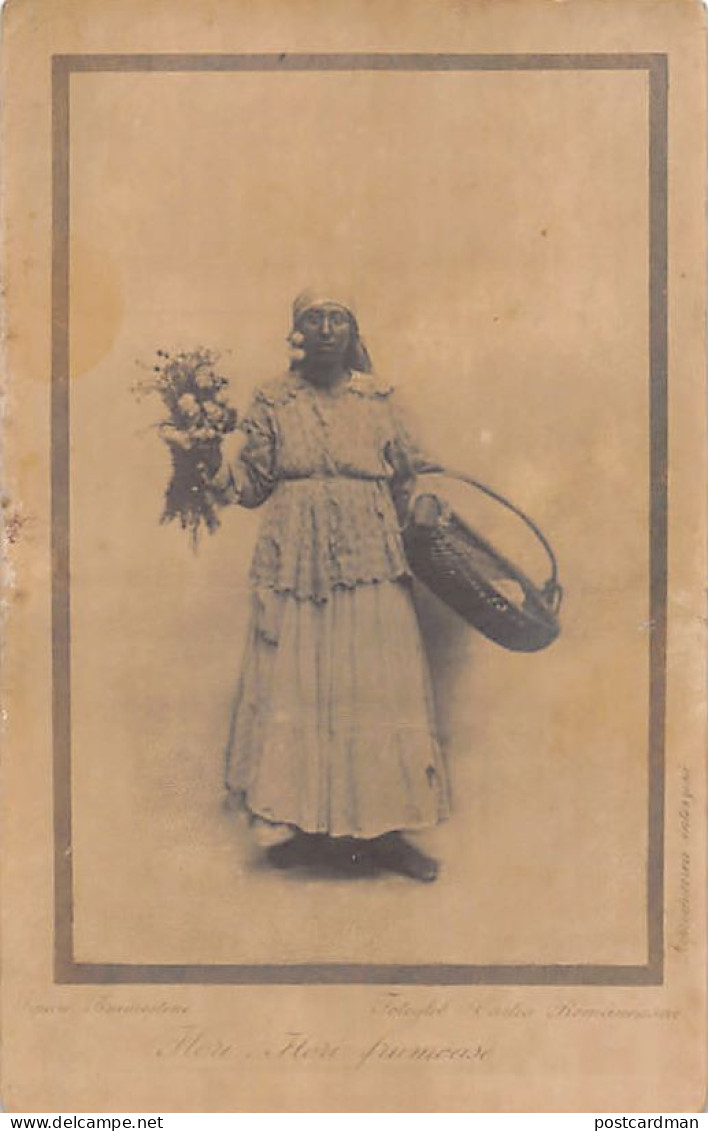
(199, 417)
(296, 341)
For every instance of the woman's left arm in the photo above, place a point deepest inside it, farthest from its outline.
(405, 455)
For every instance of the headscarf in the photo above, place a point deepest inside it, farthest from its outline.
(357, 356)
(312, 297)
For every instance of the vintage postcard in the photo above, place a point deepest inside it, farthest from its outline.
(354, 495)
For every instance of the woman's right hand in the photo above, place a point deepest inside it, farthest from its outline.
(177, 439)
(207, 453)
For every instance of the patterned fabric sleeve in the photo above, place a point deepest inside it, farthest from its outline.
(249, 475)
(407, 455)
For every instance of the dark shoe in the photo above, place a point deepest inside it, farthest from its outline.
(301, 850)
(391, 851)
(351, 855)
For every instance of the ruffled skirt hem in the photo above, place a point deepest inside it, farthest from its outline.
(332, 728)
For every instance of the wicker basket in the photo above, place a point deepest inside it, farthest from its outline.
(461, 567)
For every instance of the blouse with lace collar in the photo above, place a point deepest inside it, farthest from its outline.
(319, 459)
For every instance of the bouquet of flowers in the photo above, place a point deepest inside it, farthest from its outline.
(199, 417)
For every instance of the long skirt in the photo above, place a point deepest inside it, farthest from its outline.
(332, 729)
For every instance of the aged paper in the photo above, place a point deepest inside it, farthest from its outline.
(513, 194)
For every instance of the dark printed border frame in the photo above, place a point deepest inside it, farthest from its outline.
(66, 970)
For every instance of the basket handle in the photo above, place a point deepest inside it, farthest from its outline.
(552, 590)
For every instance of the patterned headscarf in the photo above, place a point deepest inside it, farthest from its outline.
(311, 297)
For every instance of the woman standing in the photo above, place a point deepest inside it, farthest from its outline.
(332, 732)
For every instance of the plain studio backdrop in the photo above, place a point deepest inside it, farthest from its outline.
(493, 230)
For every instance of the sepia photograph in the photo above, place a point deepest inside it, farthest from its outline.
(354, 454)
(338, 334)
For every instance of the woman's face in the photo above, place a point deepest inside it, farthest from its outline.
(326, 330)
